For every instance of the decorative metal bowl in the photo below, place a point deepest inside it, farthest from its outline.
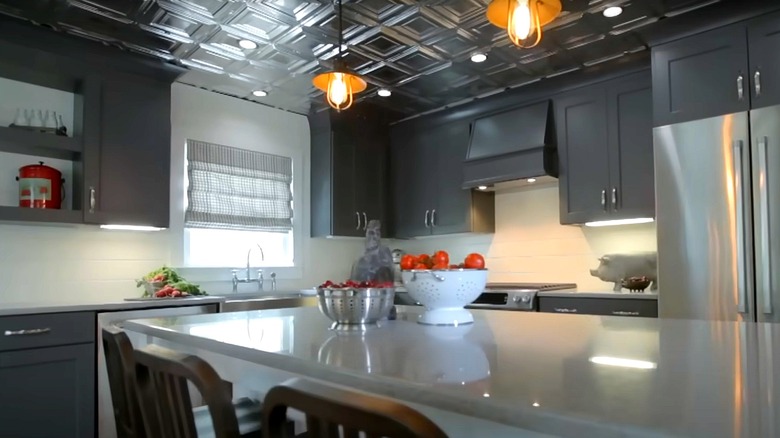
(636, 284)
(355, 308)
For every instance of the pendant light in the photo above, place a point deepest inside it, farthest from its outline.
(339, 85)
(523, 19)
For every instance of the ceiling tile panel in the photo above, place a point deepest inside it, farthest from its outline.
(418, 49)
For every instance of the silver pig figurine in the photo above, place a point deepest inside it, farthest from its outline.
(616, 267)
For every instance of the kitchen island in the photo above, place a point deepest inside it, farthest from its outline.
(512, 373)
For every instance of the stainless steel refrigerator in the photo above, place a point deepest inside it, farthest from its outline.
(718, 217)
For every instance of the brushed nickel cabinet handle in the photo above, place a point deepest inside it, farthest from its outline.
(757, 81)
(365, 221)
(740, 88)
(433, 217)
(358, 220)
(427, 212)
(92, 200)
(614, 198)
(565, 310)
(27, 332)
(604, 200)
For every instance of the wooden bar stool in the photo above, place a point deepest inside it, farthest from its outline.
(121, 365)
(333, 412)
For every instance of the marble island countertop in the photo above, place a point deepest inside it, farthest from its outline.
(563, 375)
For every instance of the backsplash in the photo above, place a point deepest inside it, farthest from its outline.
(530, 244)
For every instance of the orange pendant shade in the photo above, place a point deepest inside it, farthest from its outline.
(339, 88)
(523, 19)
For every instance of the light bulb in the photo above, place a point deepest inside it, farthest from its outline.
(520, 21)
(337, 92)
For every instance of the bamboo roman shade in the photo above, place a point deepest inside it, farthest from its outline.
(237, 189)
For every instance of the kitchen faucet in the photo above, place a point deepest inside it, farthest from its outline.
(249, 279)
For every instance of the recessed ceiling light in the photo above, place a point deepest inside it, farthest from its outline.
(486, 395)
(384, 92)
(613, 11)
(531, 180)
(478, 57)
(247, 44)
(482, 187)
(259, 93)
(536, 404)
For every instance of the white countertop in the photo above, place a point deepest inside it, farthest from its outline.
(27, 308)
(567, 375)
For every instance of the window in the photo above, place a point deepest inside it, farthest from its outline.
(237, 200)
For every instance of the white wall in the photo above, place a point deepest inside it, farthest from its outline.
(77, 263)
(530, 245)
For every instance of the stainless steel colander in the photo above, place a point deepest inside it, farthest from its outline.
(355, 307)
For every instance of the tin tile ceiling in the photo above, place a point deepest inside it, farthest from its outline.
(418, 49)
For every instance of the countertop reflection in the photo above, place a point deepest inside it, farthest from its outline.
(560, 374)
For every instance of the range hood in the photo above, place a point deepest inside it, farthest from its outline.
(512, 145)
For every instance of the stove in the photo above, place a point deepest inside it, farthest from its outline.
(515, 296)
(503, 296)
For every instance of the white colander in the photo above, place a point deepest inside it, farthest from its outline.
(444, 293)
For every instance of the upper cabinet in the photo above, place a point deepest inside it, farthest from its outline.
(605, 144)
(127, 148)
(427, 174)
(349, 171)
(723, 71)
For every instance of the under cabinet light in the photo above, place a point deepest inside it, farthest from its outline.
(384, 92)
(639, 220)
(130, 227)
(478, 57)
(260, 93)
(622, 362)
(612, 11)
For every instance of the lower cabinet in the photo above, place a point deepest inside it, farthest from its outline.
(48, 392)
(647, 308)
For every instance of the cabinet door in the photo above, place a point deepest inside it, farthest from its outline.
(413, 156)
(763, 41)
(452, 203)
(48, 392)
(128, 154)
(346, 217)
(630, 107)
(701, 76)
(371, 169)
(581, 121)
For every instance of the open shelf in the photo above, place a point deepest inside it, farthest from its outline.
(19, 141)
(19, 214)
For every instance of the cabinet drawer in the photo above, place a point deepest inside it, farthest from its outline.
(600, 306)
(45, 330)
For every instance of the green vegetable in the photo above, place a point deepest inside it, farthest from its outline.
(171, 278)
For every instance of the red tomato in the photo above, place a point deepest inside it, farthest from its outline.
(440, 267)
(474, 261)
(421, 266)
(423, 258)
(408, 261)
(441, 258)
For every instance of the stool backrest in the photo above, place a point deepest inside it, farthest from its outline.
(120, 365)
(162, 377)
(333, 412)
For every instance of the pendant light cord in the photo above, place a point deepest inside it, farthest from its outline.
(341, 31)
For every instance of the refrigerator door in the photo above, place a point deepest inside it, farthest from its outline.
(704, 219)
(765, 151)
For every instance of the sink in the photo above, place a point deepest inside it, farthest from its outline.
(264, 301)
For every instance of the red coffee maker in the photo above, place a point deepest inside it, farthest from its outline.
(40, 186)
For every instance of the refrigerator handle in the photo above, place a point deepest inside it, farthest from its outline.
(763, 210)
(739, 197)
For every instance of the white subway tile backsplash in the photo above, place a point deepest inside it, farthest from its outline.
(530, 244)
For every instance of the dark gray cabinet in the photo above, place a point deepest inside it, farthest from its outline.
(764, 41)
(127, 153)
(47, 370)
(427, 168)
(349, 171)
(605, 144)
(636, 307)
(723, 71)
